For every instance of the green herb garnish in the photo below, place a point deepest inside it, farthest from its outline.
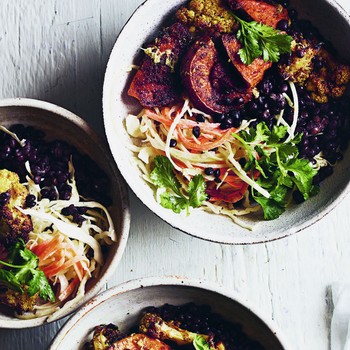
(174, 197)
(24, 271)
(200, 343)
(279, 165)
(259, 39)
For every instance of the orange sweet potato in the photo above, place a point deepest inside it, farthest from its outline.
(210, 86)
(139, 342)
(251, 74)
(155, 84)
(261, 11)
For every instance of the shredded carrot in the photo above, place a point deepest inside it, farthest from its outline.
(79, 269)
(54, 269)
(167, 120)
(69, 290)
(204, 146)
(58, 258)
(44, 249)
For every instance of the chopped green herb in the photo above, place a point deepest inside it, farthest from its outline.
(279, 165)
(173, 198)
(259, 39)
(24, 271)
(200, 343)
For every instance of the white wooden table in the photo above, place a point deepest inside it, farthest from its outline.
(57, 50)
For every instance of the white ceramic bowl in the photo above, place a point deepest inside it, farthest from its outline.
(58, 123)
(122, 305)
(333, 23)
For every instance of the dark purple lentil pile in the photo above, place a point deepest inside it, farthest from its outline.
(49, 166)
(200, 319)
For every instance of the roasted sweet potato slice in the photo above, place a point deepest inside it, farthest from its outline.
(197, 65)
(261, 11)
(139, 342)
(208, 83)
(155, 84)
(251, 74)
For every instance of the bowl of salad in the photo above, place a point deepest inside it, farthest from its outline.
(169, 313)
(64, 213)
(229, 119)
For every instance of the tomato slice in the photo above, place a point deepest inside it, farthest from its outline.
(227, 193)
(231, 191)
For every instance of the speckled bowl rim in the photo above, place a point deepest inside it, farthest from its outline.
(124, 197)
(154, 207)
(165, 281)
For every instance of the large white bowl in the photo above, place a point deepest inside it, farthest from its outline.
(58, 123)
(122, 306)
(333, 23)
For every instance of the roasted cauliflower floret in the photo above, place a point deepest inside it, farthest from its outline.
(104, 336)
(314, 67)
(9, 182)
(13, 223)
(156, 327)
(330, 80)
(108, 337)
(300, 66)
(18, 301)
(207, 15)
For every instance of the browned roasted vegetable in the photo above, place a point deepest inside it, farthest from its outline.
(207, 16)
(13, 223)
(329, 81)
(210, 85)
(139, 342)
(154, 83)
(20, 302)
(251, 74)
(104, 336)
(300, 64)
(155, 326)
(314, 67)
(260, 11)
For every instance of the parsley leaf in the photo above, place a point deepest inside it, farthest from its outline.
(24, 271)
(196, 191)
(258, 39)
(275, 205)
(39, 283)
(200, 343)
(280, 167)
(8, 279)
(175, 203)
(173, 198)
(163, 175)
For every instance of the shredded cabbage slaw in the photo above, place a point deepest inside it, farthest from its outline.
(69, 254)
(64, 247)
(153, 129)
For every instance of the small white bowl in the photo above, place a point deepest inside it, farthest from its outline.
(332, 21)
(122, 306)
(58, 123)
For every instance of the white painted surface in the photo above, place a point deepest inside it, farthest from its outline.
(57, 51)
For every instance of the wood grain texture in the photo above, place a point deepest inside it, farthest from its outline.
(57, 51)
